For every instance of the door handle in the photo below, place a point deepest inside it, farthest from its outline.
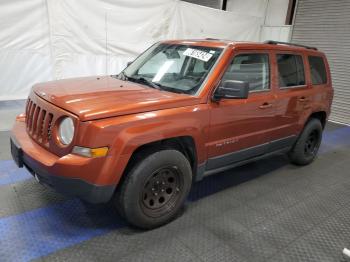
(265, 105)
(303, 99)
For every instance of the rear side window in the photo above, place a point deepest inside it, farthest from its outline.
(290, 70)
(318, 70)
(251, 68)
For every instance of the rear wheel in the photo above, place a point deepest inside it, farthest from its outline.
(155, 189)
(308, 143)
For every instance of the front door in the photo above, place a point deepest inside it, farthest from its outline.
(239, 128)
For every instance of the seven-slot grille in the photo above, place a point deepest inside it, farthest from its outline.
(38, 123)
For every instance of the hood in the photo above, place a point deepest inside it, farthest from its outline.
(99, 97)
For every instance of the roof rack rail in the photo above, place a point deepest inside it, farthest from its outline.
(272, 42)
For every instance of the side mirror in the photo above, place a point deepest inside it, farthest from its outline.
(128, 63)
(232, 89)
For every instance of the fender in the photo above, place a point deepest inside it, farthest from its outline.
(307, 113)
(129, 132)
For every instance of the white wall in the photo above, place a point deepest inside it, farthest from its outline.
(274, 27)
(278, 33)
(273, 12)
(209, 3)
(251, 7)
(43, 40)
(276, 12)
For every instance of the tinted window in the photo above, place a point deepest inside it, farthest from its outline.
(290, 70)
(318, 70)
(252, 68)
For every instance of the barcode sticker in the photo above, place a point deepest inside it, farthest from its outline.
(201, 55)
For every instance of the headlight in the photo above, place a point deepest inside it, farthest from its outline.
(66, 131)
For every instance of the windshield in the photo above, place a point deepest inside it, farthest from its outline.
(173, 67)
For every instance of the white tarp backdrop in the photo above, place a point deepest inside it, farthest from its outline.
(42, 40)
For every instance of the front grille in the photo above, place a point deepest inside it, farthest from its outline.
(38, 123)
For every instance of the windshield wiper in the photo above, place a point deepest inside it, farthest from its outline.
(145, 81)
(173, 90)
(151, 84)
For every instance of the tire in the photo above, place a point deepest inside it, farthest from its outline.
(305, 149)
(155, 189)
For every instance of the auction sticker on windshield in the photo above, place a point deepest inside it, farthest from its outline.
(202, 55)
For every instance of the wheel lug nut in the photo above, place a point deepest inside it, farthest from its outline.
(177, 189)
(156, 194)
(162, 190)
(153, 189)
(163, 183)
(157, 182)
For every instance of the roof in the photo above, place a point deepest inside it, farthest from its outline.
(222, 43)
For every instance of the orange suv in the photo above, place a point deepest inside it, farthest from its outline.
(182, 110)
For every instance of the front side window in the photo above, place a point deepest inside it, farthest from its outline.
(318, 70)
(290, 70)
(251, 68)
(173, 67)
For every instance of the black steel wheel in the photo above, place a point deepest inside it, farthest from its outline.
(161, 191)
(308, 143)
(311, 143)
(155, 189)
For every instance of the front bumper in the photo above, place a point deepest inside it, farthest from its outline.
(63, 174)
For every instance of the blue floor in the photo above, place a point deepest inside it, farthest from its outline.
(10, 173)
(52, 228)
(61, 225)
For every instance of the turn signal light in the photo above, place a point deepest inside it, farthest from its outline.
(90, 152)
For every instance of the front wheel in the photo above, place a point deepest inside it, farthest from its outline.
(308, 143)
(155, 189)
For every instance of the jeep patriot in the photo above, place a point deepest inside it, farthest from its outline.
(180, 111)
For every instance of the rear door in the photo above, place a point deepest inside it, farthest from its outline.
(293, 94)
(239, 127)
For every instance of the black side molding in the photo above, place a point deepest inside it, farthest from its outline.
(244, 156)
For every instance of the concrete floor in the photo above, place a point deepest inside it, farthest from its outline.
(269, 210)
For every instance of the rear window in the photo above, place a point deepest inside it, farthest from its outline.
(318, 70)
(290, 70)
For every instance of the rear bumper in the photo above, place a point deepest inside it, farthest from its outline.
(58, 173)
